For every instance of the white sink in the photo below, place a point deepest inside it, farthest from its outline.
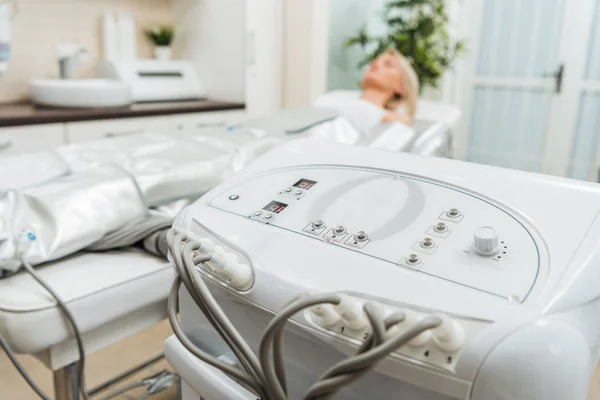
(80, 93)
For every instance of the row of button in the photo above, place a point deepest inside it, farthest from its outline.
(338, 234)
(427, 245)
(263, 216)
(293, 193)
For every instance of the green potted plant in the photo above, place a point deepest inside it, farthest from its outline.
(162, 37)
(419, 30)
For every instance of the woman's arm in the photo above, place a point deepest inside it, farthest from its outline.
(396, 117)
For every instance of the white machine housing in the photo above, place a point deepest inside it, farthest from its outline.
(512, 265)
(157, 80)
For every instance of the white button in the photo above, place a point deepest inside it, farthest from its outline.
(427, 242)
(298, 192)
(413, 259)
(318, 224)
(234, 197)
(441, 227)
(258, 213)
(361, 236)
(453, 213)
(485, 241)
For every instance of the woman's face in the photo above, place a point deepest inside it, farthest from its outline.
(384, 73)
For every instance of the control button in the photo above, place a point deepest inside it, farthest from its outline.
(258, 213)
(453, 213)
(441, 227)
(268, 216)
(318, 224)
(434, 231)
(337, 234)
(427, 243)
(358, 240)
(234, 197)
(339, 230)
(426, 246)
(413, 259)
(361, 236)
(298, 192)
(288, 190)
(485, 241)
(315, 228)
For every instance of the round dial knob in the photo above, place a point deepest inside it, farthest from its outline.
(485, 241)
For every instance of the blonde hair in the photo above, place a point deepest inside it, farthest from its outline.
(410, 82)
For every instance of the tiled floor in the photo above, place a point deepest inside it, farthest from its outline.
(119, 357)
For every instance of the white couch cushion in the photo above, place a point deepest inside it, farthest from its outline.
(97, 287)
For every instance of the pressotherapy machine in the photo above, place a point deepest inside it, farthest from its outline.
(111, 194)
(324, 270)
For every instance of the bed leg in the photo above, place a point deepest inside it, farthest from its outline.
(65, 383)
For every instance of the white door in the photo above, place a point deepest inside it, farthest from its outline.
(235, 47)
(520, 91)
(584, 157)
(264, 56)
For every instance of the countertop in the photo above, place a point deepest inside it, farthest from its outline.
(29, 114)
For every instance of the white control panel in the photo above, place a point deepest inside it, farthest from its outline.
(408, 222)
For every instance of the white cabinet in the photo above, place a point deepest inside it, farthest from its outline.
(94, 130)
(41, 137)
(31, 138)
(197, 122)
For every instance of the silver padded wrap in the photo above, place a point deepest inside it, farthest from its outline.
(242, 144)
(165, 168)
(68, 214)
(19, 171)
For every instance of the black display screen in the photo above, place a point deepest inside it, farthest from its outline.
(305, 184)
(275, 207)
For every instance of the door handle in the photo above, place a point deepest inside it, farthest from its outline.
(558, 76)
(125, 133)
(6, 144)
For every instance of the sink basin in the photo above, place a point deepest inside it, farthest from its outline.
(80, 93)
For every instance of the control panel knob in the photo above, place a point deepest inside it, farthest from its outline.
(485, 241)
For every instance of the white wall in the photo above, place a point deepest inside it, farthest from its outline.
(305, 51)
(40, 25)
(212, 35)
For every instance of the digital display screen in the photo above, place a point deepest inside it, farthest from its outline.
(275, 207)
(305, 184)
